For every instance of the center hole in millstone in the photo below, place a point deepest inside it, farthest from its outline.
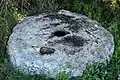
(60, 33)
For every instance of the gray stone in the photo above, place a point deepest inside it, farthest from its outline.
(119, 77)
(52, 43)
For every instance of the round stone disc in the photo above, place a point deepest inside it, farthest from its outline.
(58, 42)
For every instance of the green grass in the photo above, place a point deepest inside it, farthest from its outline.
(107, 13)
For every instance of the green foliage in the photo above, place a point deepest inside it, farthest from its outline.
(114, 28)
(95, 72)
(34, 7)
(62, 76)
(3, 35)
(99, 10)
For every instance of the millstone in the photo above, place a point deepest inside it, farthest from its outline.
(58, 42)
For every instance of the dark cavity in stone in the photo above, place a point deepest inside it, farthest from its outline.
(46, 50)
(74, 40)
(60, 33)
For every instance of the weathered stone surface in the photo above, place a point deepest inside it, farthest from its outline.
(62, 41)
(119, 77)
